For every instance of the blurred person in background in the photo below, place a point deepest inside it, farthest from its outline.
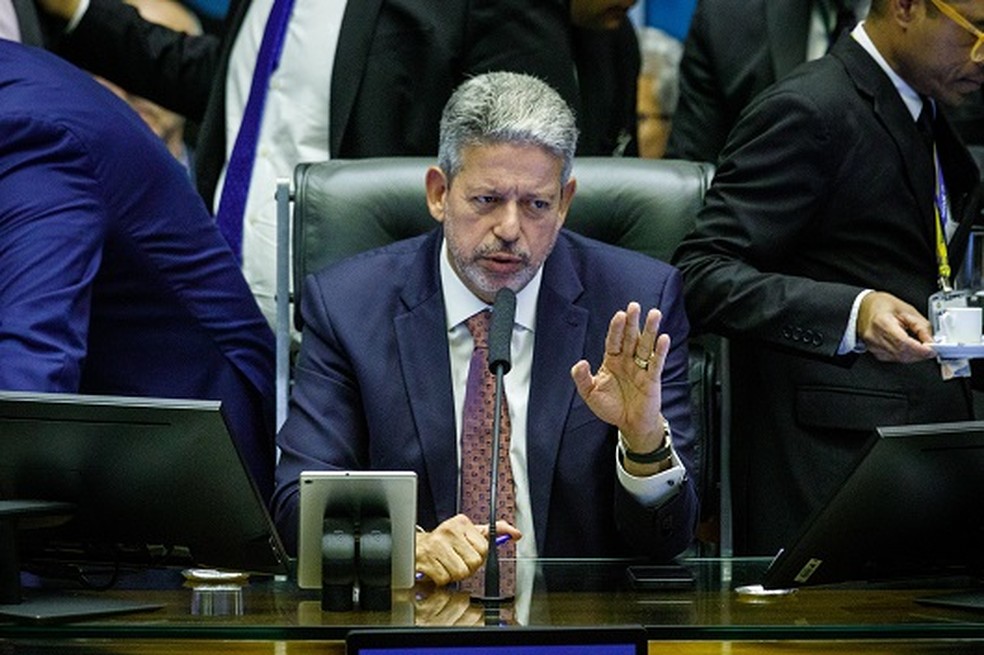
(168, 125)
(659, 89)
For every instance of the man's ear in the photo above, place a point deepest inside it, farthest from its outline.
(437, 192)
(904, 10)
(566, 196)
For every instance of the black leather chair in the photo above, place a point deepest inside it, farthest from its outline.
(342, 207)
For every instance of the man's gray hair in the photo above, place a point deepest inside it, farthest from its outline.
(510, 108)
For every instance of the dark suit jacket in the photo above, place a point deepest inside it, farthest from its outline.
(373, 390)
(397, 63)
(824, 189)
(115, 279)
(733, 51)
(608, 63)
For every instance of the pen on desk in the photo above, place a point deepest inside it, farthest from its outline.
(501, 539)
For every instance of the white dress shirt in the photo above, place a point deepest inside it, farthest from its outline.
(294, 127)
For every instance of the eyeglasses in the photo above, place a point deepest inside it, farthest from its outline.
(977, 52)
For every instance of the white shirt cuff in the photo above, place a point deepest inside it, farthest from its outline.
(850, 343)
(651, 490)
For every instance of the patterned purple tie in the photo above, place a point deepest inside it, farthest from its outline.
(232, 203)
(476, 453)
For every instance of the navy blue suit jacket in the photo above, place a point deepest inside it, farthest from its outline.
(113, 277)
(373, 391)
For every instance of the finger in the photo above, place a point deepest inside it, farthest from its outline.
(476, 542)
(464, 561)
(660, 352)
(616, 331)
(436, 572)
(917, 326)
(504, 527)
(583, 380)
(630, 335)
(647, 339)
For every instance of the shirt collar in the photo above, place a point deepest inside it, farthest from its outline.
(460, 303)
(910, 97)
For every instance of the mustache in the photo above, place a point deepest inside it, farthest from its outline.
(503, 248)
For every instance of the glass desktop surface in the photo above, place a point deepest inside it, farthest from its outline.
(566, 593)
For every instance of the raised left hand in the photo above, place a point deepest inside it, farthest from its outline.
(626, 390)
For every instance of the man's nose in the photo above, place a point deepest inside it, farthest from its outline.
(507, 225)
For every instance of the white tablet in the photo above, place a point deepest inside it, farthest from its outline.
(387, 493)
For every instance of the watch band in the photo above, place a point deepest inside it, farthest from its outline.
(652, 456)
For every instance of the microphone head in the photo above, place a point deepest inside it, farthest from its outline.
(500, 332)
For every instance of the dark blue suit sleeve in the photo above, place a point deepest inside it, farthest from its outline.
(51, 236)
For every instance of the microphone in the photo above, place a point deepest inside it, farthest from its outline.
(500, 361)
(500, 332)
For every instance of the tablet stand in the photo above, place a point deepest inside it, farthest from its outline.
(356, 554)
(337, 564)
(375, 566)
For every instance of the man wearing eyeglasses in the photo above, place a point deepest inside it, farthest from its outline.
(831, 221)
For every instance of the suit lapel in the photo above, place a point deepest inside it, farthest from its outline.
(354, 41)
(873, 84)
(787, 24)
(425, 368)
(561, 329)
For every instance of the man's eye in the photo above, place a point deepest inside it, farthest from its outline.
(540, 204)
(485, 200)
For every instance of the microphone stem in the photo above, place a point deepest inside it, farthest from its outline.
(492, 559)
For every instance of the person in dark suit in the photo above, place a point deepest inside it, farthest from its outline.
(394, 64)
(607, 60)
(113, 277)
(380, 377)
(816, 253)
(733, 51)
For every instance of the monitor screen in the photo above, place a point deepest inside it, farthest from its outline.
(910, 508)
(145, 476)
(593, 640)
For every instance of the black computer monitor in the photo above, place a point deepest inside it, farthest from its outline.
(911, 508)
(143, 476)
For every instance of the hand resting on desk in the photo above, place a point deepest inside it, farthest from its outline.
(456, 548)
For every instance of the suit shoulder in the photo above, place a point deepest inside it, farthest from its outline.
(391, 261)
(611, 258)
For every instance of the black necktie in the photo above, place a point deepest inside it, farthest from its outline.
(925, 124)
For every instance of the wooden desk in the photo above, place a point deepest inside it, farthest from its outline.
(269, 616)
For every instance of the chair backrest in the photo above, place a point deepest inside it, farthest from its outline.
(343, 207)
